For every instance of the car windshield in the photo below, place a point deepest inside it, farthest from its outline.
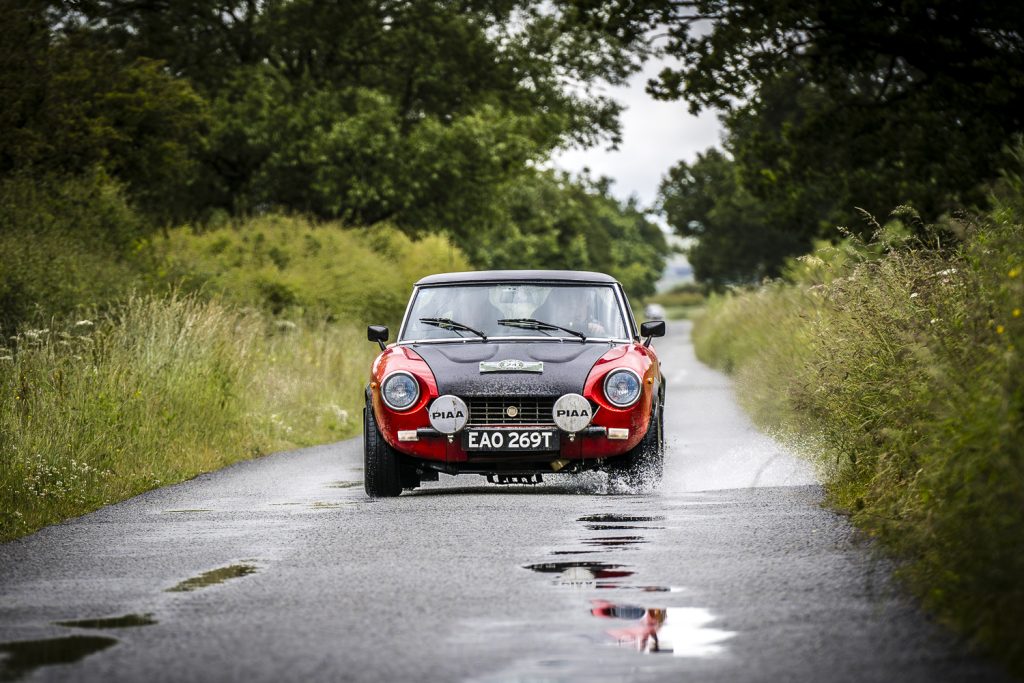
(525, 310)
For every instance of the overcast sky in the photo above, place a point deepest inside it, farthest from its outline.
(655, 135)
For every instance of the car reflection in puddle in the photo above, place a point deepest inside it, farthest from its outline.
(641, 589)
(680, 631)
(601, 575)
(581, 574)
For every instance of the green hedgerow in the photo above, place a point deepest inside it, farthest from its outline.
(904, 360)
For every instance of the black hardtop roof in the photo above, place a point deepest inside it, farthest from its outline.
(517, 276)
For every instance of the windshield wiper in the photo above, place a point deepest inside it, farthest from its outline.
(449, 324)
(534, 324)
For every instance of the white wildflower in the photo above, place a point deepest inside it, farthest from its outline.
(339, 412)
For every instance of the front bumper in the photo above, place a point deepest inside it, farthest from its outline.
(583, 450)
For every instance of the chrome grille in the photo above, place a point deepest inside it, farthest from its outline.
(493, 410)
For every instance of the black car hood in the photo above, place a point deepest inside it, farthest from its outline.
(456, 367)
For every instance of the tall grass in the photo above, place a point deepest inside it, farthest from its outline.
(158, 390)
(904, 360)
(265, 350)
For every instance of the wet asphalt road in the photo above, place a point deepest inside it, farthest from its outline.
(281, 569)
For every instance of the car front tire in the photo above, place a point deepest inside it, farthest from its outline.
(382, 475)
(646, 462)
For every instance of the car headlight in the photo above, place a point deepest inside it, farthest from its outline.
(622, 388)
(399, 390)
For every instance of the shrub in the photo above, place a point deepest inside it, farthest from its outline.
(297, 267)
(904, 360)
(65, 243)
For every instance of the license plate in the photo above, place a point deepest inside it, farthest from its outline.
(510, 440)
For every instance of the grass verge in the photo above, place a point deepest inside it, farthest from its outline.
(267, 350)
(904, 361)
(158, 390)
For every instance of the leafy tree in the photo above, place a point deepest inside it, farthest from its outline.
(550, 220)
(832, 105)
(733, 240)
(414, 112)
(75, 104)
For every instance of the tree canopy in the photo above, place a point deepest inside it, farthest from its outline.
(733, 238)
(429, 115)
(831, 105)
(371, 110)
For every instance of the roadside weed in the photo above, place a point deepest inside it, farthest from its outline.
(158, 390)
(903, 362)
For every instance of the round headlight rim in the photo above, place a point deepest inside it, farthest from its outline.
(383, 392)
(639, 384)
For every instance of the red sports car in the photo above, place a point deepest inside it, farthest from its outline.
(513, 374)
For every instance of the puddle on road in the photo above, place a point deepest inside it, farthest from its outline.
(680, 631)
(573, 552)
(639, 589)
(612, 518)
(329, 505)
(127, 621)
(214, 577)
(581, 574)
(615, 541)
(601, 575)
(23, 657)
(188, 510)
(601, 570)
(344, 484)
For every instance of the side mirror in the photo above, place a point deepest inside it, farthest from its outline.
(379, 334)
(651, 329)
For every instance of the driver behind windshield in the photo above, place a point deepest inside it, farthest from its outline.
(572, 307)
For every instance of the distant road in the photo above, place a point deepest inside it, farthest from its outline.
(280, 569)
